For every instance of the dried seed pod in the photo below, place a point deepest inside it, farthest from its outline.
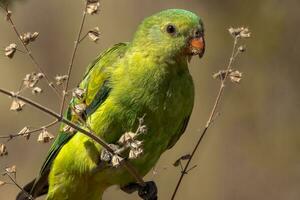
(3, 150)
(17, 105)
(24, 132)
(135, 153)
(94, 34)
(79, 108)
(29, 37)
(240, 32)
(126, 137)
(12, 169)
(36, 90)
(116, 160)
(235, 76)
(61, 79)
(136, 144)
(79, 93)
(2, 183)
(93, 7)
(10, 50)
(45, 137)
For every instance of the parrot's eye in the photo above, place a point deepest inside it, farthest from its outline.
(171, 29)
(198, 33)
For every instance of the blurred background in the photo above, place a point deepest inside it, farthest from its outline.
(252, 149)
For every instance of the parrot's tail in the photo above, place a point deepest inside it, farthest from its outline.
(24, 194)
(32, 190)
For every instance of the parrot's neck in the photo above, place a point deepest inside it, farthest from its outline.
(152, 57)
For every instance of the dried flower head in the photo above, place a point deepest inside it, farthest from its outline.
(106, 155)
(69, 129)
(36, 90)
(79, 108)
(10, 50)
(32, 79)
(12, 169)
(242, 48)
(40, 75)
(61, 79)
(3, 150)
(136, 144)
(24, 132)
(17, 105)
(79, 93)
(240, 32)
(235, 76)
(29, 37)
(135, 153)
(94, 34)
(45, 136)
(127, 137)
(2, 183)
(116, 160)
(93, 7)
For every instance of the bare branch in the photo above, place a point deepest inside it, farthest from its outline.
(29, 53)
(14, 135)
(237, 34)
(97, 139)
(16, 184)
(72, 59)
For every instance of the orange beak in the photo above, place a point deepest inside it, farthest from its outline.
(197, 46)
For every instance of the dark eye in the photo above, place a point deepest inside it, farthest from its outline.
(198, 33)
(171, 29)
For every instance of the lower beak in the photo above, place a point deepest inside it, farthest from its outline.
(197, 46)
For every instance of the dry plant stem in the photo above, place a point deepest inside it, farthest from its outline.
(211, 116)
(16, 184)
(97, 139)
(38, 67)
(11, 136)
(72, 59)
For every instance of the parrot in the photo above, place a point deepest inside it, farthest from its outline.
(146, 78)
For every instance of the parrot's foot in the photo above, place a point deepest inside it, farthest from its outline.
(147, 192)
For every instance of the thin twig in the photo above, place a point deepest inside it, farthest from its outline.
(97, 139)
(11, 136)
(72, 59)
(211, 116)
(83, 37)
(28, 51)
(16, 184)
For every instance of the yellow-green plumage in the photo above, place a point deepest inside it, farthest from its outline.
(148, 76)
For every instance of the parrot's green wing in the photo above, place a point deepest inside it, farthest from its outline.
(180, 131)
(95, 84)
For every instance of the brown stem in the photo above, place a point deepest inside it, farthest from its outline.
(60, 118)
(38, 67)
(11, 136)
(72, 60)
(16, 184)
(209, 121)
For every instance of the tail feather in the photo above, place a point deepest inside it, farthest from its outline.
(23, 195)
(37, 187)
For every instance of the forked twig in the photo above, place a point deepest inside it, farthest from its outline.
(61, 119)
(72, 59)
(237, 35)
(28, 51)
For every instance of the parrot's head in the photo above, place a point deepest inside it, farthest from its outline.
(173, 33)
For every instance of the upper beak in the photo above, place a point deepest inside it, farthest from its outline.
(197, 46)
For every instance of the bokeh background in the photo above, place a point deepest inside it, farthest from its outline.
(252, 149)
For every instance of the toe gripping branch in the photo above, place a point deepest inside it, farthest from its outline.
(147, 192)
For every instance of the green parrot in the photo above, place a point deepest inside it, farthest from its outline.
(148, 77)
